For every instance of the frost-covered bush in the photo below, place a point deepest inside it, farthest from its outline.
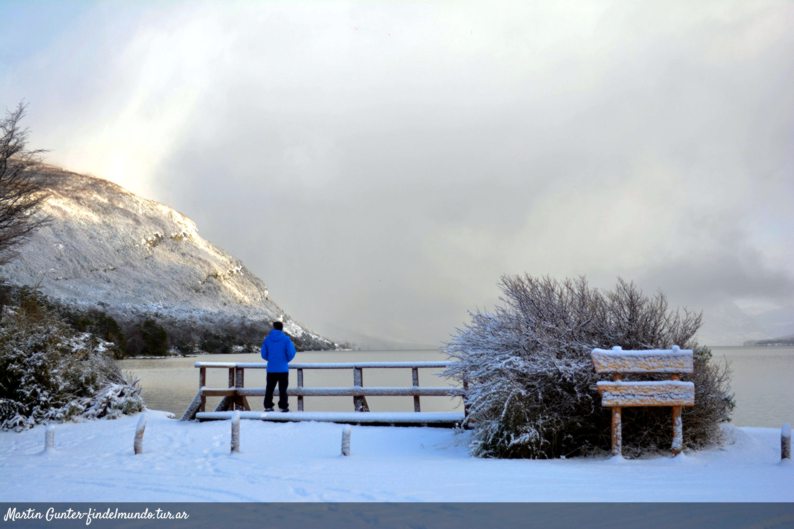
(531, 381)
(50, 372)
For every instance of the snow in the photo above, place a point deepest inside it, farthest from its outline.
(674, 360)
(619, 351)
(189, 461)
(640, 384)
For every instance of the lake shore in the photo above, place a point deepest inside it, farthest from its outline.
(301, 462)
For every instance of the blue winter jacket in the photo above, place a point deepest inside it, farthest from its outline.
(277, 350)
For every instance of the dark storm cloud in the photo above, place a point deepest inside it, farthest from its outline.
(381, 165)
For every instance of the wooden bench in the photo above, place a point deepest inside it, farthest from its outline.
(618, 393)
(235, 396)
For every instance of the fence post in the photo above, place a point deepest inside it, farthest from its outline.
(300, 385)
(236, 432)
(232, 403)
(139, 429)
(785, 442)
(359, 401)
(239, 382)
(415, 381)
(202, 383)
(346, 440)
(49, 438)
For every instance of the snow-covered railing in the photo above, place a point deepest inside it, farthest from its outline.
(618, 394)
(234, 396)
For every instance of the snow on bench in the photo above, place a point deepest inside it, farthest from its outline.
(381, 418)
(618, 394)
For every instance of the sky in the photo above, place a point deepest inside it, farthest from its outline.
(380, 165)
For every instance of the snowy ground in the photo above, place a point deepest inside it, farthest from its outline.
(93, 461)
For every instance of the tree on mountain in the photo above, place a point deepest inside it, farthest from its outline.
(21, 189)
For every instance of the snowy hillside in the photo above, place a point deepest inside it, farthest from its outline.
(110, 249)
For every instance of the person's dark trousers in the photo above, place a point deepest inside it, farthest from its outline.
(282, 379)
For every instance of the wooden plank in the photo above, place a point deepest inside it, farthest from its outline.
(663, 393)
(370, 391)
(331, 365)
(652, 361)
(402, 418)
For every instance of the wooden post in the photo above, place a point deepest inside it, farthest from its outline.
(358, 380)
(202, 383)
(232, 405)
(300, 385)
(359, 401)
(49, 438)
(236, 432)
(415, 381)
(617, 431)
(617, 424)
(139, 429)
(785, 442)
(678, 431)
(239, 382)
(678, 425)
(346, 440)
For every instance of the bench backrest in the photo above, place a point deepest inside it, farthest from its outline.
(616, 360)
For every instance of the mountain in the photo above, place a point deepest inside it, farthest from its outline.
(780, 341)
(108, 249)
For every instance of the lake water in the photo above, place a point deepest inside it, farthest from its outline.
(762, 379)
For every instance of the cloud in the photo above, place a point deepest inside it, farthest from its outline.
(380, 165)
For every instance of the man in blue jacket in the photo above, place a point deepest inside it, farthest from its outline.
(277, 351)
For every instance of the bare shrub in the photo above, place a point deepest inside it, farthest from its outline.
(531, 379)
(21, 190)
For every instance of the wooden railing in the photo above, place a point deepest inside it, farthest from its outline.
(234, 397)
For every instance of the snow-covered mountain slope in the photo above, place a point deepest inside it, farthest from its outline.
(108, 248)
